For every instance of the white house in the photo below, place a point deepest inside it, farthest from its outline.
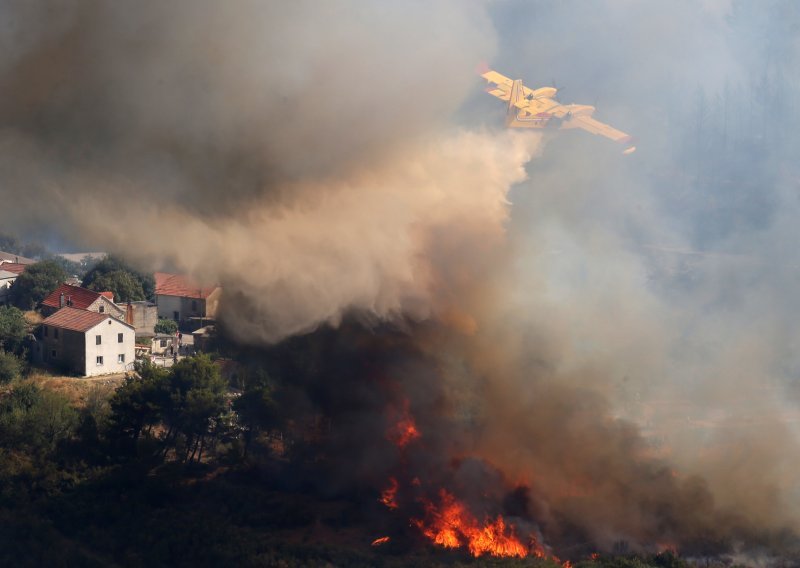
(6, 280)
(86, 343)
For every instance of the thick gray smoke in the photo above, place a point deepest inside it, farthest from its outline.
(667, 282)
(318, 158)
(295, 154)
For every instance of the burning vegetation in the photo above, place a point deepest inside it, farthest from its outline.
(448, 524)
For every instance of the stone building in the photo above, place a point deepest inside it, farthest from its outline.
(143, 316)
(190, 305)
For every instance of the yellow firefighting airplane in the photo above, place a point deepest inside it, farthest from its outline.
(529, 108)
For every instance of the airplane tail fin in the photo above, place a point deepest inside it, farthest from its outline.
(514, 98)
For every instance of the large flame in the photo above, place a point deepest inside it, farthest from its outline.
(451, 525)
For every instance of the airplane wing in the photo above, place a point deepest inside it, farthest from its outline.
(596, 127)
(500, 87)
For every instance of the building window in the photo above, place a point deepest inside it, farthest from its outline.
(55, 333)
(121, 358)
(176, 316)
(53, 353)
(98, 339)
(119, 338)
(99, 360)
(45, 331)
(102, 309)
(163, 343)
(194, 305)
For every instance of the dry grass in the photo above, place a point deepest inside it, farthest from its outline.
(78, 390)
(33, 318)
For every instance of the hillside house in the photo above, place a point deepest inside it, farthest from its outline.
(15, 258)
(85, 343)
(182, 300)
(164, 344)
(69, 296)
(15, 267)
(6, 280)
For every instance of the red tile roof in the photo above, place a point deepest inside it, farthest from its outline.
(75, 319)
(78, 297)
(109, 295)
(179, 285)
(15, 267)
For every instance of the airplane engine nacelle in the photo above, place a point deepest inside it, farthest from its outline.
(546, 92)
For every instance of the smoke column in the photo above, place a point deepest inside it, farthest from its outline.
(322, 161)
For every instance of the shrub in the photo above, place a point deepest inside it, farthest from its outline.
(167, 326)
(10, 367)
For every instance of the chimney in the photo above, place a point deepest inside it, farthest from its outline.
(69, 300)
(61, 300)
(129, 314)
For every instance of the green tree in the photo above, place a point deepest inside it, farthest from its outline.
(125, 286)
(139, 403)
(112, 264)
(256, 409)
(35, 418)
(187, 400)
(10, 367)
(34, 285)
(70, 267)
(13, 329)
(197, 403)
(167, 326)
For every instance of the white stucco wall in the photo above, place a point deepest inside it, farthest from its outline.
(5, 284)
(110, 348)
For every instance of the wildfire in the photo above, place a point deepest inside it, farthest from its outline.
(451, 525)
(405, 429)
(380, 541)
(388, 495)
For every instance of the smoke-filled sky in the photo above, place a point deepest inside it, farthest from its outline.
(319, 159)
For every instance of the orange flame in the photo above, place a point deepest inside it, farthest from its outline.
(452, 526)
(667, 547)
(388, 495)
(405, 429)
(380, 541)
